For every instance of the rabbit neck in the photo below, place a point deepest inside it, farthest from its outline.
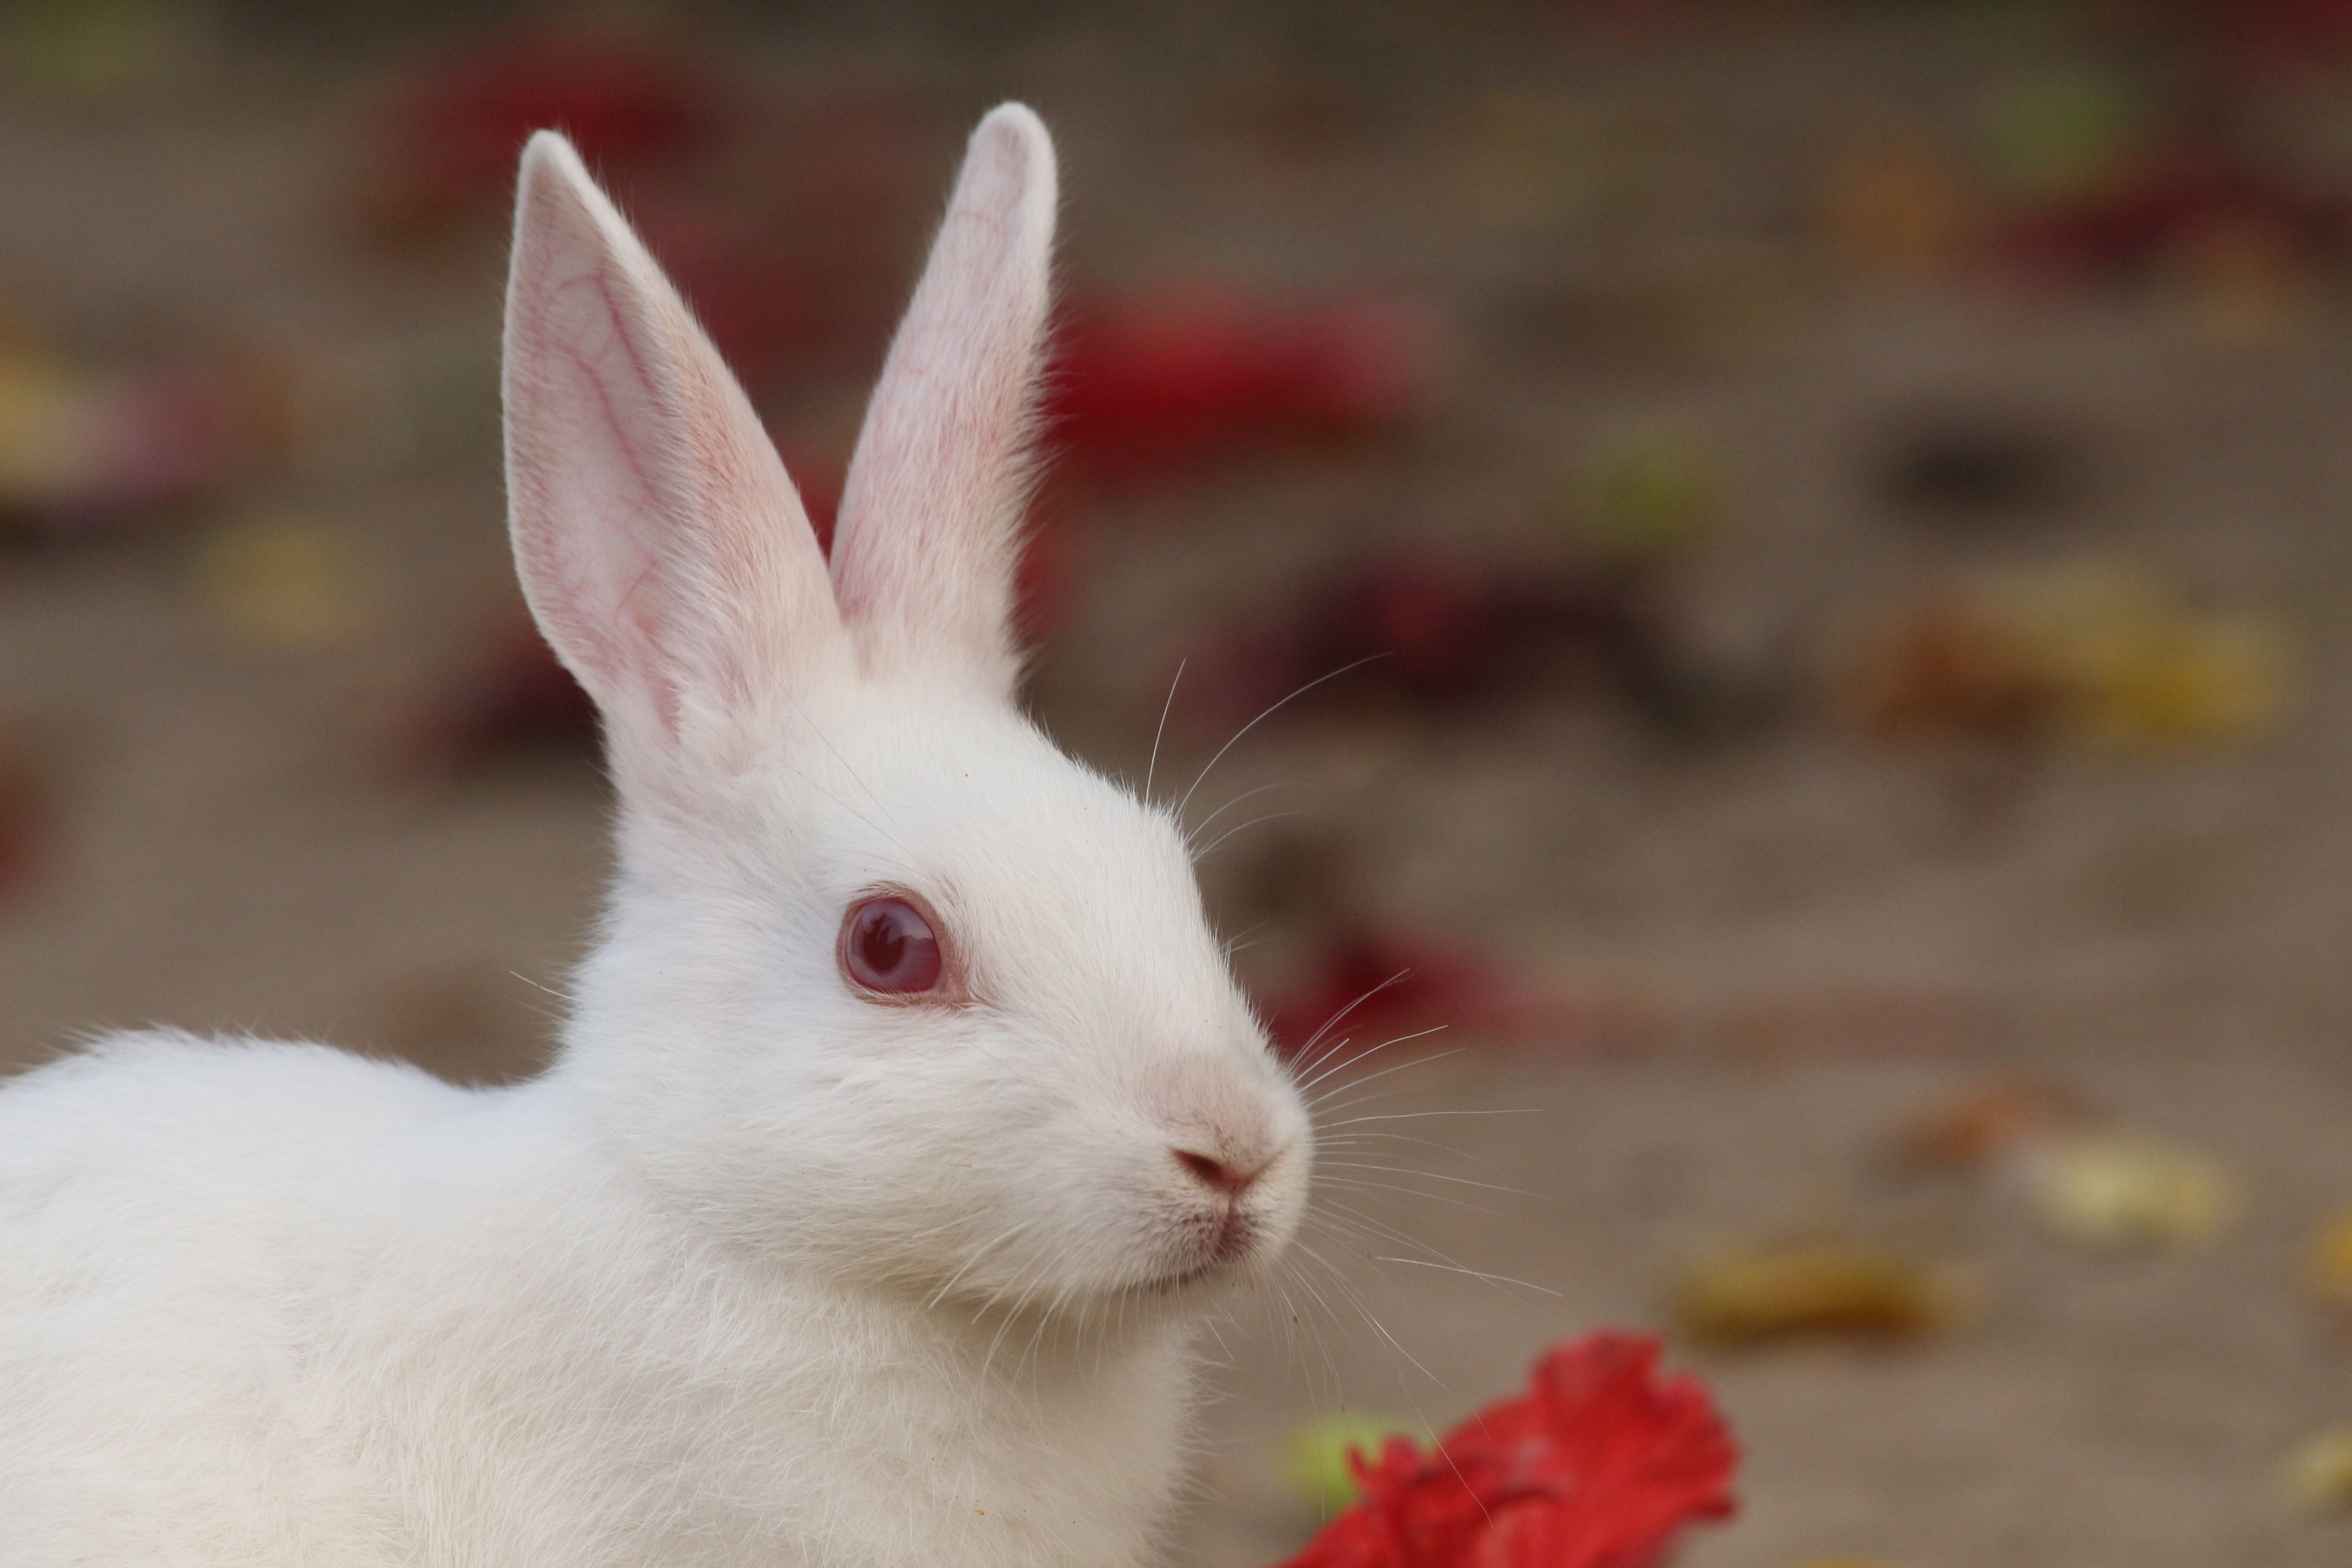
(756, 1400)
(987, 1352)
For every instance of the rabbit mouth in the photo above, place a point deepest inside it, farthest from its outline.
(1235, 1243)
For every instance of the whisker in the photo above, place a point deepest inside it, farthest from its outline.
(1331, 1061)
(1415, 1115)
(1317, 1296)
(1458, 1475)
(1441, 1260)
(1201, 855)
(1352, 1138)
(1378, 1326)
(1430, 1175)
(810, 779)
(1151, 768)
(1360, 1055)
(1202, 825)
(855, 777)
(1333, 1021)
(1406, 1191)
(942, 1293)
(1261, 719)
(560, 995)
(1240, 939)
(1416, 1062)
(1012, 1298)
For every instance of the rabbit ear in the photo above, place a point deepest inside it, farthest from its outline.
(928, 533)
(663, 549)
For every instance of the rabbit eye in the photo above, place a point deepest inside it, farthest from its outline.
(887, 946)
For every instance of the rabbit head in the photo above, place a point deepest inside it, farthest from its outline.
(888, 988)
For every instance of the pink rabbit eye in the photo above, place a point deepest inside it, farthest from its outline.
(887, 946)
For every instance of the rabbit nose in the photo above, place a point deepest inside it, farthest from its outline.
(1217, 1176)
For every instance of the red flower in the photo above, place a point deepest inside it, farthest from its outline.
(1370, 982)
(1599, 1465)
(1138, 388)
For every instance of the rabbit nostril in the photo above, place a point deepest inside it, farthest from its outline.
(1214, 1175)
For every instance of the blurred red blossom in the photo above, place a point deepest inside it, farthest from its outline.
(455, 127)
(1369, 984)
(1447, 633)
(2170, 204)
(1174, 384)
(1601, 1464)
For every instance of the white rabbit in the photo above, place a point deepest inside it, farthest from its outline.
(906, 1122)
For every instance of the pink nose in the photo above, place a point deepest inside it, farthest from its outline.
(1215, 1175)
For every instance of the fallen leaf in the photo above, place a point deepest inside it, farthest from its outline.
(1755, 1295)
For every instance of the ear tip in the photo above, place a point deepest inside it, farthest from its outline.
(1015, 115)
(549, 154)
(1013, 131)
(556, 195)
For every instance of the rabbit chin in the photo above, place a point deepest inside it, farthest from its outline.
(1171, 1267)
(1242, 1263)
(1240, 1259)
(1144, 1298)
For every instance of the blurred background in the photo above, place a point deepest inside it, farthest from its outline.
(1813, 543)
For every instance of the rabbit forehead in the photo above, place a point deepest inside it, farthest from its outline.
(1060, 890)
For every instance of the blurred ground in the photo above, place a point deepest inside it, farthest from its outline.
(230, 847)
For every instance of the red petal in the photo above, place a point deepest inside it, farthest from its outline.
(1599, 1464)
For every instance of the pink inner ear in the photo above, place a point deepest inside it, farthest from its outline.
(581, 411)
(923, 566)
(946, 446)
(659, 540)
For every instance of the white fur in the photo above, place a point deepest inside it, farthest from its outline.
(761, 1270)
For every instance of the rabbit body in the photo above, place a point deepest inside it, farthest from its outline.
(476, 1347)
(906, 1117)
